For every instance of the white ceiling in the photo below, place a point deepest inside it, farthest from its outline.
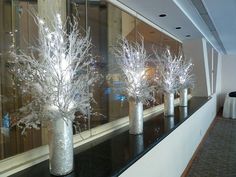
(223, 16)
(185, 14)
(151, 9)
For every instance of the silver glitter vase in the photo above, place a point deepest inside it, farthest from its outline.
(61, 148)
(183, 97)
(169, 104)
(135, 117)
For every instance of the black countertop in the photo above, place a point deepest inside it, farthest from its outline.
(112, 156)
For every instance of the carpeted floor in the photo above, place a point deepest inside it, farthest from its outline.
(217, 156)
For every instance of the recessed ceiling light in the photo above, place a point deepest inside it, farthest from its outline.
(188, 35)
(162, 15)
(178, 27)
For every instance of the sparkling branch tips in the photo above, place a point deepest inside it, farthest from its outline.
(56, 73)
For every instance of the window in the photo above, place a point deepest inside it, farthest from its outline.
(106, 23)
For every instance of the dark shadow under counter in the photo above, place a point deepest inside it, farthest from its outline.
(112, 156)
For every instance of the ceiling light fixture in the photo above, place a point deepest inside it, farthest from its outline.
(162, 15)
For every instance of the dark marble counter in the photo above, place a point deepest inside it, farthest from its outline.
(112, 156)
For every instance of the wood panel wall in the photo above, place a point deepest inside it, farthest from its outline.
(15, 19)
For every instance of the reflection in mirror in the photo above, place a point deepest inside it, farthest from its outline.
(136, 144)
(107, 23)
(183, 112)
(169, 123)
(16, 28)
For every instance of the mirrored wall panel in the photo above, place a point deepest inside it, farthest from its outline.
(107, 23)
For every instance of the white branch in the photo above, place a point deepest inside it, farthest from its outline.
(56, 72)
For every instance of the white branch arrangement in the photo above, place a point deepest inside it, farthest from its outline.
(57, 73)
(133, 60)
(173, 72)
(167, 71)
(186, 78)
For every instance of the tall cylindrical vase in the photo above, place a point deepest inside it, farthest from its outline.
(135, 117)
(183, 97)
(61, 147)
(169, 104)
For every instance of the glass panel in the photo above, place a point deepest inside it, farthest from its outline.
(154, 39)
(106, 23)
(17, 28)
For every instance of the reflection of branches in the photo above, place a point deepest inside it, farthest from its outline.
(57, 73)
(132, 59)
(81, 121)
(3, 99)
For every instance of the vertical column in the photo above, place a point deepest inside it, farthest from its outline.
(8, 22)
(196, 49)
(128, 25)
(210, 64)
(46, 10)
(218, 82)
(114, 30)
(1, 54)
(215, 69)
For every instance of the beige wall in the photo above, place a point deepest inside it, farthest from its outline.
(196, 49)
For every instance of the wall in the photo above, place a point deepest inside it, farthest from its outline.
(228, 81)
(196, 49)
(170, 157)
(218, 82)
(207, 68)
(1, 53)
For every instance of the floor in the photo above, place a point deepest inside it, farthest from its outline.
(217, 155)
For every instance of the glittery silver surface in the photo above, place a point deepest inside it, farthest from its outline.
(135, 117)
(183, 97)
(61, 148)
(168, 104)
